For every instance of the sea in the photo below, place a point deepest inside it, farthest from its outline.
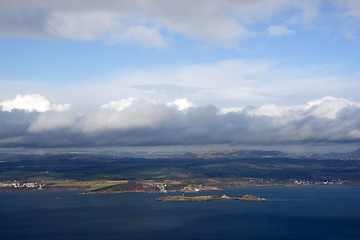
(303, 212)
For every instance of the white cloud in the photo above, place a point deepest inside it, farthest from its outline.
(151, 22)
(29, 103)
(181, 104)
(108, 26)
(225, 84)
(349, 17)
(124, 114)
(231, 110)
(120, 104)
(278, 30)
(268, 110)
(352, 8)
(328, 107)
(52, 121)
(81, 26)
(354, 134)
(143, 35)
(60, 107)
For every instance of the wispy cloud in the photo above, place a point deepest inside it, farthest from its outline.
(279, 30)
(223, 83)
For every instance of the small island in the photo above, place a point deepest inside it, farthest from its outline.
(208, 198)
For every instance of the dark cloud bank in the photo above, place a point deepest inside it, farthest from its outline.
(144, 123)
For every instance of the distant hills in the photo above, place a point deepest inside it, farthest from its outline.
(355, 155)
(243, 154)
(204, 154)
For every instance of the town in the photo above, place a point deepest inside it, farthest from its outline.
(19, 185)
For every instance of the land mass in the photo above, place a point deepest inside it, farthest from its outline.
(209, 198)
(159, 172)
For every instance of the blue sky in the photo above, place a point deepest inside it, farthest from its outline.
(85, 68)
(61, 61)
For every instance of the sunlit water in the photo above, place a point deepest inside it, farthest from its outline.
(311, 212)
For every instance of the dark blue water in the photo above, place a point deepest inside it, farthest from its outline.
(311, 212)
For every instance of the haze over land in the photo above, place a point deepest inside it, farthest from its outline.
(179, 73)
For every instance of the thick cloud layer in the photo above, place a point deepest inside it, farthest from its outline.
(135, 122)
(150, 23)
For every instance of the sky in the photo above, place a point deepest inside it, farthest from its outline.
(179, 73)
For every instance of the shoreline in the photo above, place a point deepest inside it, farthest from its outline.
(85, 190)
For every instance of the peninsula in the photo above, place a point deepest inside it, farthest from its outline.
(208, 198)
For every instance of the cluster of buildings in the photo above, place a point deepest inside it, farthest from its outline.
(305, 182)
(17, 184)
